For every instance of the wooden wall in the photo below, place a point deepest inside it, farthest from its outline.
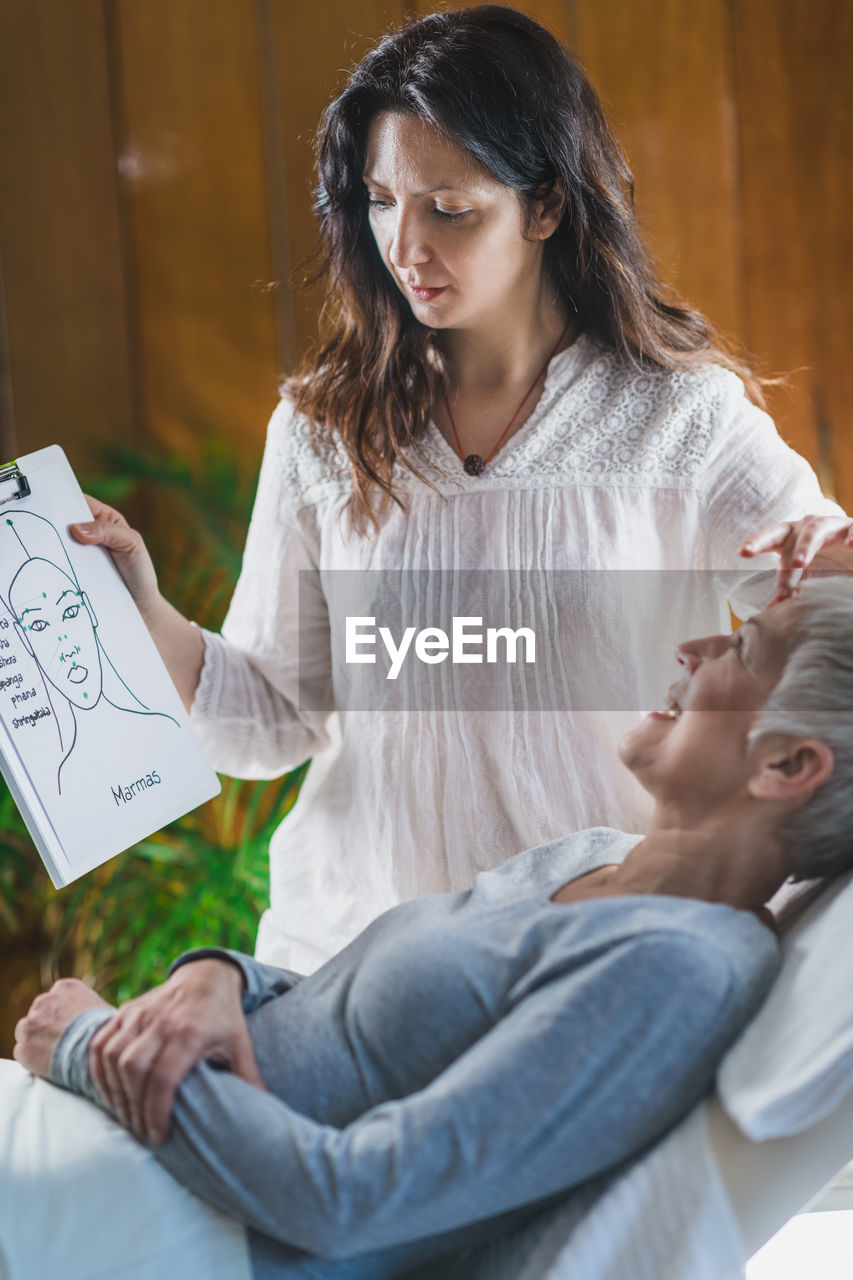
(155, 170)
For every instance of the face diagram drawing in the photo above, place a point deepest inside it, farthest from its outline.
(61, 630)
(58, 626)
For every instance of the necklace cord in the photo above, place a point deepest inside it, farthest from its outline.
(473, 463)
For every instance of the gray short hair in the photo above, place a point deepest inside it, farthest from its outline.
(814, 699)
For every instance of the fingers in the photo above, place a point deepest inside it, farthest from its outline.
(49, 1015)
(135, 1067)
(787, 581)
(243, 1060)
(770, 539)
(161, 1083)
(96, 1069)
(180, 1054)
(139, 1059)
(781, 538)
(141, 1067)
(121, 1055)
(108, 528)
(797, 543)
(95, 505)
(105, 1053)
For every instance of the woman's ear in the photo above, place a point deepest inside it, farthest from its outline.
(88, 605)
(794, 767)
(548, 211)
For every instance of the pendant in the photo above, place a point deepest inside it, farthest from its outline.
(474, 464)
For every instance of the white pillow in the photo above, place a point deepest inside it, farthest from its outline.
(794, 1062)
(80, 1197)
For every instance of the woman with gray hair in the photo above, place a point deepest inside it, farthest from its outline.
(473, 1056)
(813, 699)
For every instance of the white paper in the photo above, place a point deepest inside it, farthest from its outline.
(95, 743)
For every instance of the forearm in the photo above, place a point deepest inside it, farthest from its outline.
(227, 1145)
(69, 1065)
(300, 1186)
(246, 711)
(311, 1186)
(180, 644)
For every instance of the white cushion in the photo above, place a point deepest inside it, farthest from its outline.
(794, 1062)
(80, 1198)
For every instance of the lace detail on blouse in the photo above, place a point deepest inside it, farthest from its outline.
(597, 421)
(308, 468)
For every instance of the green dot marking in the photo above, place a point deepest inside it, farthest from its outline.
(85, 695)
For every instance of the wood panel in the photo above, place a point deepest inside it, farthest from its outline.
(793, 65)
(662, 69)
(734, 114)
(8, 446)
(64, 281)
(314, 46)
(191, 158)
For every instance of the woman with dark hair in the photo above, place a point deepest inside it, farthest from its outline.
(501, 384)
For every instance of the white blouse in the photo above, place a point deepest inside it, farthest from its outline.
(612, 518)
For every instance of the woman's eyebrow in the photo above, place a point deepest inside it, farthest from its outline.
(374, 182)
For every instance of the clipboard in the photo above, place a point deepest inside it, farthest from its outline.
(96, 747)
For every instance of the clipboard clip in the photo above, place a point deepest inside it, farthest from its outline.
(12, 472)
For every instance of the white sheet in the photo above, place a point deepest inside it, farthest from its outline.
(80, 1198)
(695, 1207)
(667, 1217)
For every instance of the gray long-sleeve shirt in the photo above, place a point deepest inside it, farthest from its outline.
(469, 1057)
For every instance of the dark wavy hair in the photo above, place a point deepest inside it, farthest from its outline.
(497, 83)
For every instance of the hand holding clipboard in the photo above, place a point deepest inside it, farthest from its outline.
(95, 744)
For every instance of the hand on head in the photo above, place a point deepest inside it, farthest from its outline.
(813, 540)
